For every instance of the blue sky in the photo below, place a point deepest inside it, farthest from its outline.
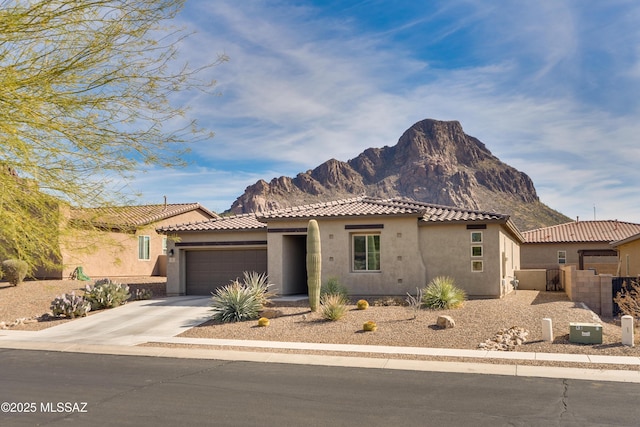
(551, 87)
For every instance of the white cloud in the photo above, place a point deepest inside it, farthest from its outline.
(300, 89)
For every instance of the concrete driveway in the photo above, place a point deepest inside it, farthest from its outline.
(131, 324)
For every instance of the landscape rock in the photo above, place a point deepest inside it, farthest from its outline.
(506, 339)
(445, 322)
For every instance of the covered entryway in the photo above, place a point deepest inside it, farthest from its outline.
(207, 270)
(294, 265)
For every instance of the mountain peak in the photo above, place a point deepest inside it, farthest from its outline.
(433, 161)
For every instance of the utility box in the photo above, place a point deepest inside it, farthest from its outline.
(585, 333)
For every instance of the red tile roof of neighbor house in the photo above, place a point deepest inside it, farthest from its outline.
(348, 208)
(583, 231)
(134, 216)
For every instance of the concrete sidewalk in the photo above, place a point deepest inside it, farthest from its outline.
(121, 330)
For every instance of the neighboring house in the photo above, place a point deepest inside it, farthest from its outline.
(372, 246)
(628, 256)
(122, 241)
(585, 244)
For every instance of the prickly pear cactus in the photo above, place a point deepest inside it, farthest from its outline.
(314, 265)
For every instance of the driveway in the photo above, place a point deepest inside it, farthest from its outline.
(131, 324)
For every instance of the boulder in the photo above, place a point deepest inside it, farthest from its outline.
(445, 322)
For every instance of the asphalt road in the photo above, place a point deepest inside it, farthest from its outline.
(50, 388)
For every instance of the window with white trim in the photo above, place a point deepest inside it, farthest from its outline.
(476, 251)
(562, 257)
(476, 237)
(143, 248)
(366, 252)
(164, 245)
(477, 266)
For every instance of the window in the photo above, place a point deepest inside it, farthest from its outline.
(366, 252)
(143, 248)
(562, 257)
(476, 266)
(476, 251)
(476, 237)
(164, 246)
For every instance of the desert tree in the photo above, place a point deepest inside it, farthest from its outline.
(86, 90)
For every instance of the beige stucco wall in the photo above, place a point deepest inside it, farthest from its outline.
(176, 272)
(401, 267)
(446, 251)
(629, 259)
(410, 255)
(533, 280)
(115, 254)
(545, 255)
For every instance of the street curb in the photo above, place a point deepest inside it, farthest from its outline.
(336, 361)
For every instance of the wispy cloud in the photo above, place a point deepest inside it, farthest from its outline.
(551, 89)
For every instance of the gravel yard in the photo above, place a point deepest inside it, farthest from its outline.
(476, 322)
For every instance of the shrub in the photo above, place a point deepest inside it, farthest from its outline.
(441, 293)
(258, 284)
(362, 304)
(70, 305)
(334, 287)
(332, 307)
(415, 303)
(263, 321)
(106, 294)
(15, 270)
(142, 294)
(235, 303)
(369, 326)
(628, 299)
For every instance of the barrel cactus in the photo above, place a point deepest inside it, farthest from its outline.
(369, 326)
(263, 321)
(362, 304)
(314, 265)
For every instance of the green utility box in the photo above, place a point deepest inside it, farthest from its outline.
(585, 333)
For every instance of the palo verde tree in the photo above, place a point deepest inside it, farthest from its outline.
(85, 101)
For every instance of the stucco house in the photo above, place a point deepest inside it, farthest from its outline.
(122, 241)
(585, 244)
(628, 256)
(372, 246)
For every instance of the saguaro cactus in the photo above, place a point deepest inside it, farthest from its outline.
(314, 264)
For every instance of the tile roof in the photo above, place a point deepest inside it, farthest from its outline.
(133, 216)
(583, 231)
(357, 206)
(354, 207)
(629, 239)
(234, 222)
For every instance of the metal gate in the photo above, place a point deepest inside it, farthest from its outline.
(617, 283)
(553, 280)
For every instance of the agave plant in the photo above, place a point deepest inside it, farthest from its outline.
(442, 294)
(258, 284)
(235, 303)
(332, 307)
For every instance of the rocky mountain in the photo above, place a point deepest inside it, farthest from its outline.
(433, 161)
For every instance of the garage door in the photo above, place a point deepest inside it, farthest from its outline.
(208, 270)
